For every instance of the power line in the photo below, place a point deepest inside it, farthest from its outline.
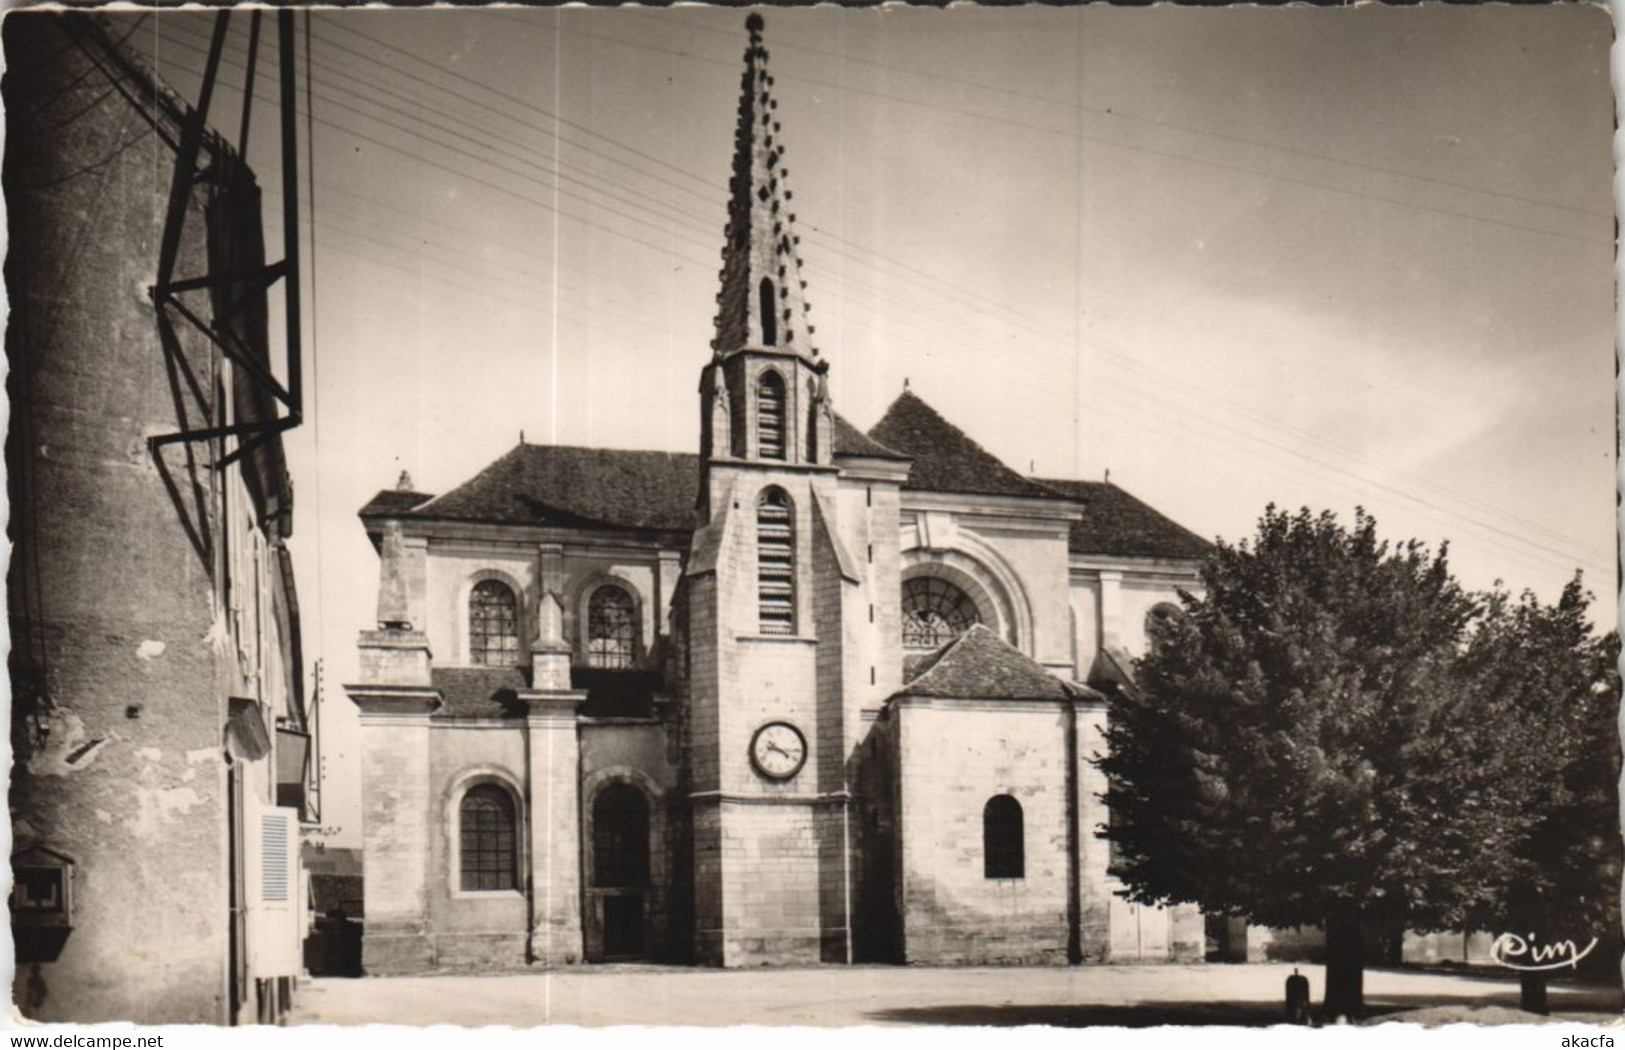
(1124, 115)
(1098, 140)
(1134, 361)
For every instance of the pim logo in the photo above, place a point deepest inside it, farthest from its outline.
(1520, 953)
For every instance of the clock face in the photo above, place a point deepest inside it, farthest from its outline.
(778, 750)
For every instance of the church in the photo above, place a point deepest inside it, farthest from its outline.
(813, 695)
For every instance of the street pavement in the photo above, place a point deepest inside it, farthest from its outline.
(1132, 996)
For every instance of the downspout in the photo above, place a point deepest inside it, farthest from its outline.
(1074, 860)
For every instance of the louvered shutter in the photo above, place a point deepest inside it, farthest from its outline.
(272, 870)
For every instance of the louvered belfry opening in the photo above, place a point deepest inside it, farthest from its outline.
(776, 562)
(770, 416)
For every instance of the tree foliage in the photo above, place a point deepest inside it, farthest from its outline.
(1336, 732)
(1560, 881)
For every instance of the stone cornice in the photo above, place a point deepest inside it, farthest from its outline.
(391, 701)
(1060, 510)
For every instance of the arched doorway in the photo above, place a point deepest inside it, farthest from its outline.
(618, 890)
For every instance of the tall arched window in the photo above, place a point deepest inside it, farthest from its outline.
(770, 321)
(620, 838)
(1004, 849)
(770, 416)
(935, 612)
(487, 839)
(493, 624)
(612, 628)
(776, 562)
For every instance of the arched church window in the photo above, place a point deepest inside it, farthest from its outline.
(493, 624)
(770, 322)
(935, 612)
(487, 839)
(620, 838)
(1004, 849)
(776, 562)
(770, 416)
(612, 628)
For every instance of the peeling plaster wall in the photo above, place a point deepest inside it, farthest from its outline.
(119, 661)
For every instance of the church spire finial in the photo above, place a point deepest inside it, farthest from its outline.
(761, 304)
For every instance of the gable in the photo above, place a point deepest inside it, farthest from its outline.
(945, 458)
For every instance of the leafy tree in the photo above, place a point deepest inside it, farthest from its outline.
(1304, 745)
(1560, 879)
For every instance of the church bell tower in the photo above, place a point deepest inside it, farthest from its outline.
(767, 578)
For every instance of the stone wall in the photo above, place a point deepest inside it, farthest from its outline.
(122, 655)
(953, 757)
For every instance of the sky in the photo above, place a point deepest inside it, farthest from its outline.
(1316, 257)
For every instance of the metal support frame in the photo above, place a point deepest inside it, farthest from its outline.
(167, 289)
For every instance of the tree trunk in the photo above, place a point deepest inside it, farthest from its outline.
(1345, 967)
(1532, 992)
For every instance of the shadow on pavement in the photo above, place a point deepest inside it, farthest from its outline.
(1127, 1015)
(1246, 1015)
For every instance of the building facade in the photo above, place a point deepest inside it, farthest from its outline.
(813, 695)
(157, 707)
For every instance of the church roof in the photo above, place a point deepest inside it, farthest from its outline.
(945, 458)
(390, 502)
(850, 441)
(566, 485)
(1115, 523)
(493, 692)
(479, 692)
(979, 665)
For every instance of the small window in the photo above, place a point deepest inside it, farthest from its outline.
(770, 325)
(620, 838)
(1004, 853)
(935, 612)
(487, 839)
(776, 562)
(612, 628)
(493, 625)
(770, 416)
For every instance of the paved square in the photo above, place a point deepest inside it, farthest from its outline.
(1071, 996)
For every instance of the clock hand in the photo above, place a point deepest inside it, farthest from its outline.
(771, 746)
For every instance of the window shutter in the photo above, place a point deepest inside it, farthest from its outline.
(271, 870)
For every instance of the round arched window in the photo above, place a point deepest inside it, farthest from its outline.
(935, 612)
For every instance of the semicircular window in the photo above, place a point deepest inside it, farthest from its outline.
(935, 612)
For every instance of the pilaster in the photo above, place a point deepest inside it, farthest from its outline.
(553, 754)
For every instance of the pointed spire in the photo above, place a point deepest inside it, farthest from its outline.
(762, 303)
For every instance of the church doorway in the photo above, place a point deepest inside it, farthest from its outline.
(618, 896)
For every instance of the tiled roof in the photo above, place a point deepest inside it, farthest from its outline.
(850, 441)
(945, 459)
(479, 692)
(493, 692)
(563, 485)
(1116, 523)
(390, 502)
(979, 665)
